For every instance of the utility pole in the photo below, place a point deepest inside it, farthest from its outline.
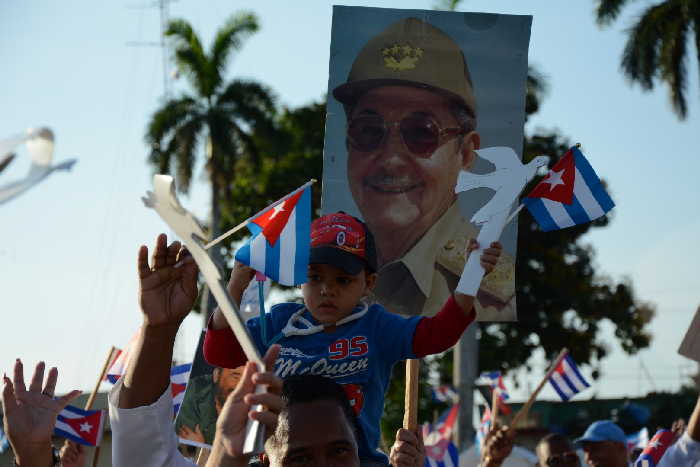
(162, 5)
(466, 362)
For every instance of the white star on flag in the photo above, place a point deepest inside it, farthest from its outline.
(85, 427)
(278, 209)
(554, 179)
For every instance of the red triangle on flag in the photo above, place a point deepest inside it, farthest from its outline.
(274, 219)
(177, 388)
(87, 427)
(558, 184)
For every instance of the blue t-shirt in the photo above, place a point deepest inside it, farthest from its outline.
(358, 355)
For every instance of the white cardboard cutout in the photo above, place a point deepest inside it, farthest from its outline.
(507, 180)
(40, 145)
(164, 200)
(690, 347)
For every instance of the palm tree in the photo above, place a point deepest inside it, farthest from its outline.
(218, 116)
(657, 45)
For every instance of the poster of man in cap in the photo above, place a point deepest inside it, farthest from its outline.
(413, 95)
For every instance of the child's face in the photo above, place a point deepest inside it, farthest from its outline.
(330, 294)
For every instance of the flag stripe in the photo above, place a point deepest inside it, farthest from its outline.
(571, 367)
(301, 255)
(558, 213)
(538, 211)
(593, 181)
(576, 211)
(287, 243)
(560, 386)
(583, 194)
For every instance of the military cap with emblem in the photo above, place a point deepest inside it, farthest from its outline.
(410, 52)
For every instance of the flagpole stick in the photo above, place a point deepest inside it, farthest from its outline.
(203, 456)
(410, 415)
(93, 395)
(526, 408)
(494, 406)
(514, 213)
(245, 222)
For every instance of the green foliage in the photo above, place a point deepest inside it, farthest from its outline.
(657, 45)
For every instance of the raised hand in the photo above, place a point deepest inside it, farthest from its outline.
(230, 427)
(72, 454)
(168, 287)
(30, 414)
(497, 446)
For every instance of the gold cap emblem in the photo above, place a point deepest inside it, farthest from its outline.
(401, 57)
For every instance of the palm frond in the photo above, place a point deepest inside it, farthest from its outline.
(190, 56)
(673, 60)
(608, 10)
(186, 138)
(228, 38)
(249, 101)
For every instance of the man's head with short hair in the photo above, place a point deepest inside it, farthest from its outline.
(555, 450)
(225, 381)
(604, 445)
(316, 427)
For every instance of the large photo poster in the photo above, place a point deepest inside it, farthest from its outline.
(412, 96)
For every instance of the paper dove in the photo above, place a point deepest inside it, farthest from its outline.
(164, 200)
(40, 145)
(508, 180)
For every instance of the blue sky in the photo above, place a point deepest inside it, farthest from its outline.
(68, 247)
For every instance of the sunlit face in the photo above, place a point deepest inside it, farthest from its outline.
(330, 294)
(556, 454)
(605, 454)
(314, 434)
(393, 187)
(226, 380)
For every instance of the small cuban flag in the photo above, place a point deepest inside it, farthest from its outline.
(281, 238)
(440, 451)
(566, 379)
(82, 426)
(638, 439)
(484, 428)
(178, 383)
(445, 393)
(495, 380)
(571, 193)
(656, 448)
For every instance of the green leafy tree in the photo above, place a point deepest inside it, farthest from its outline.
(217, 119)
(657, 45)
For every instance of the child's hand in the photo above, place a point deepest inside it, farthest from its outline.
(489, 257)
(241, 275)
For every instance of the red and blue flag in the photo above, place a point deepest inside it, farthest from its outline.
(571, 193)
(178, 383)
(566, 379)
(281, 238)
(656, 448)
(495, 380)
(440, 451)
(445, 393)
(82, 426)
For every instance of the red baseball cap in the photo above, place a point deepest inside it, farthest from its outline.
(344, 241)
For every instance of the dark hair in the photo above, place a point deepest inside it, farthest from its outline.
(300, 389)
(553, 438)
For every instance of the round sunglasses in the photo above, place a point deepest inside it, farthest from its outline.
(420, 133)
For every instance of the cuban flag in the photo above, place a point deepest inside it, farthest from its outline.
(82, 426)
(656, 448)
(571, 193)
(281, 238)
(484, 427)
(638, 439)
(446, 423)
(179, 375)
(445, 393)
(566, 379)
(120, 359)
(439, 449)
(495, 380)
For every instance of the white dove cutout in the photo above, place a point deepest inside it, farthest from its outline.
(164, 200)
(40, 145)
(507, 180)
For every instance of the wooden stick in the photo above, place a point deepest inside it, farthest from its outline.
(526, 408)
(203, 456)
(494, 406)
(93, 395)
(410, 415)
(245, 222)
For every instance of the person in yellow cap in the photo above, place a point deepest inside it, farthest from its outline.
(411, 127)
